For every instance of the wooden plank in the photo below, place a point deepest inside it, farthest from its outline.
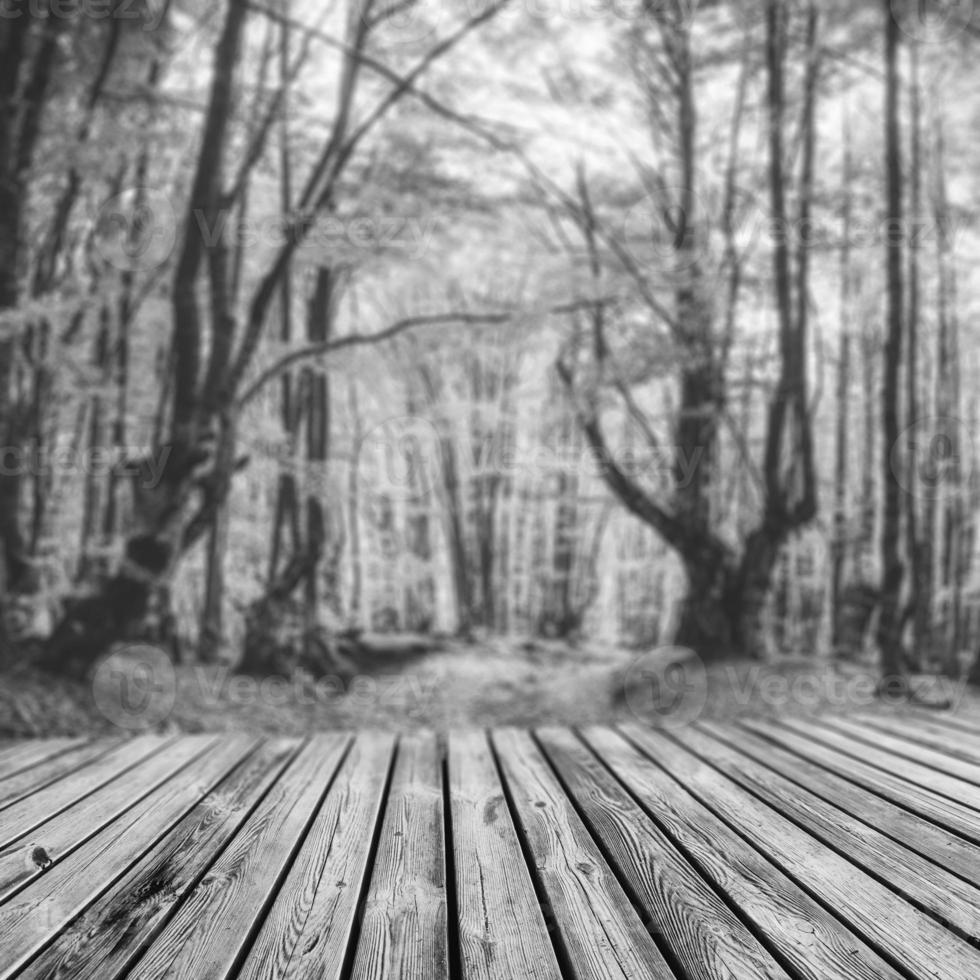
(601, 933)
(943, 811)
(24, 755)
(908, 747)
(811, 942)
(926, 731)
(957, 719)
(685, 914)
(16, 787)
(908, 936)
(309, 930)
(502, 932)
(105, 940)
(403, 927)
(23, 817)
(211, 930)
(931, 841)
(946, 897)
(42, 909)
(69, 829)
(917, 773)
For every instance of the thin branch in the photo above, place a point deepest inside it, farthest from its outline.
(317, 196)
(259, 136)
(405, 85)
(399, 327)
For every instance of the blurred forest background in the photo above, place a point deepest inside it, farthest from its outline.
(338, 330)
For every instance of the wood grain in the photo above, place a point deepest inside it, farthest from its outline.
(909, 747)
(916, 773)
(923, 836)
(956, 742)
(403, 926)
(23, 817)
(950, 900)
(42, 909)
(15, 787)
(956, 720)
(750, 852)
(948, 813)
(19, 756)
(683, 911)
(910, 937)
(308, 931)
(812, 943)
(70, 828)
(105, 940)
(502, 931)
(212, 929)
(602, 934)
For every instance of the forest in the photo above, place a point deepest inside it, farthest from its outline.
(339, 332)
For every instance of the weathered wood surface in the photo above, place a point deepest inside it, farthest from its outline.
(404, 928)
(502, 931)
(962, 819)
(827, 849)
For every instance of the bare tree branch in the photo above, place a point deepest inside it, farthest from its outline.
(399, 327)
(318, 194)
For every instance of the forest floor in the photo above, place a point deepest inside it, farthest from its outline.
(462, 685)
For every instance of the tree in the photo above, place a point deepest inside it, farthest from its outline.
(29, 48)
(727, 588)
(176, 512)
(889, 622)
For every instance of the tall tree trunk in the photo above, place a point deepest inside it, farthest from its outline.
(420, 586)
(455, 532)
(453, 510)
(162, 524)
(354, 509)
(93, 494)
(916, 544)
(868, 515)
(286, 517)
(212, 616)
(953, 552)
(722, 613)
(319, 326)
(277, 614)
(27, 72)
(889, 623)
(840, 542)
(40, 420)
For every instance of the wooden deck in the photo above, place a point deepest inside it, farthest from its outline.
(832, 849)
